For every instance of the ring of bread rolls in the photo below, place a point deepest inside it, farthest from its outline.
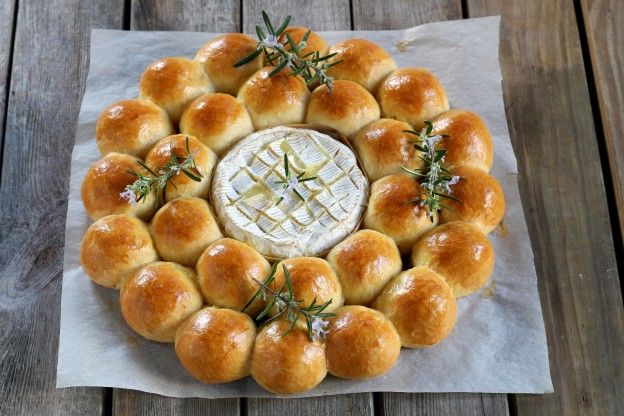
(208, 311)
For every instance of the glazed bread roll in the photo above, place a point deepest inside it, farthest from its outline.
(468, 140)
(172, 83)
(218, 57)
(361, 343)
(226, 271)
(274, 101)
(157, 298)
(183, 228)
(131, 126)
(394, 210)
(364, 262)
(315, 43)
(312, 278)
(287, 364)
(105, 180)
(412, 95)
(181, 185)
(384, 147)
(114, 246)
(215, 345)
(460, 253)
(216, 120)
(421, 306)
(347, 107)
(363, 62)
(482, 202)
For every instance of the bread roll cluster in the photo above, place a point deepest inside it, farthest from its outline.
(182, 281)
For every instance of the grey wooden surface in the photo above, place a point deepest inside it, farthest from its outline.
(561, 91)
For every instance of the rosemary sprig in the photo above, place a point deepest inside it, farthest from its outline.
(433, 177)
(139, 190)
(291, 181)
(312, 67)
(286, 306)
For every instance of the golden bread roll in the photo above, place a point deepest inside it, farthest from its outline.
(183, 228)
(287, 364)
(482, 202)
(157, 298)
(421, 306)
(412, 95)
(363, 62)
(172, 83)
(181, 185)
(216, 120)
(347, 107)
(361, 343)
(384, 147)
(364, 262)
(468, 140)
(105, 180)
(315, 43)
(131, 126)
(114, 246)
(274, 101)
(394, 210)
(460, 253)
(226, 271)
(215, 345)
(312, 278)
(218, 57)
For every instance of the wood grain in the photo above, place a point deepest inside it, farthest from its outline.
(7, 14)
(400, 404)
(398, 14)
(192, 15)
(604, 24)
(195, 15)
(48, 76)
(323, 15)
(551, 125)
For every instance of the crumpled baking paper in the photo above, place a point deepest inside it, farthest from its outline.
(499, 342)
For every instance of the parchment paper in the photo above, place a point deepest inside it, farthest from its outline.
(498, 344)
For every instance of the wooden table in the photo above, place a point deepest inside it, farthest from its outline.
(563, 82)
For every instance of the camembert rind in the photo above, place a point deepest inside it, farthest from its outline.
(245, 192)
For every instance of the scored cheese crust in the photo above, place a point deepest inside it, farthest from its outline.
(246, 191)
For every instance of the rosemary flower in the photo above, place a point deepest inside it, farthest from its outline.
(312, 67)
(139, 190)
(435, 179)
(284, 306)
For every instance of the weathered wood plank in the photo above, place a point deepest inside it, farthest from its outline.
(325, 15)
(399, 14)
(400, 404)
(136, 403)
(551, 125)
(196, 15)
(193, 15)
(604, 25)
(7, 14)
(48, 75)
